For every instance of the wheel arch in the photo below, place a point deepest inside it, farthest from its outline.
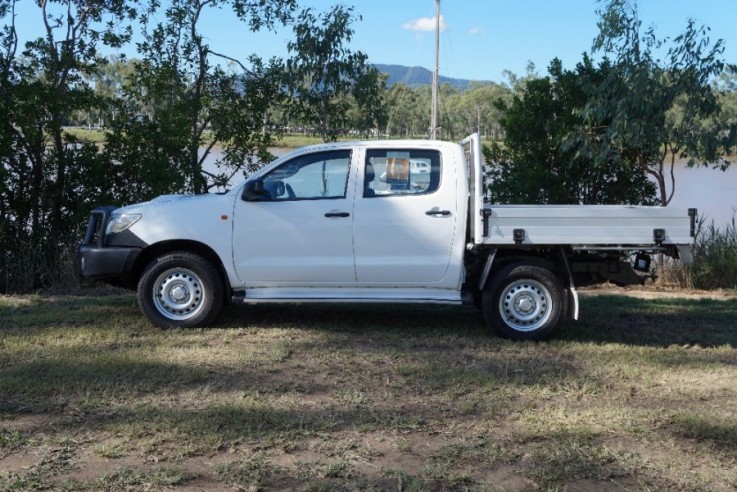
(156, 250)
(550, 260)
(553, 259)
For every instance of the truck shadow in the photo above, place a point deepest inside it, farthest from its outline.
(603, 319)
(358, 318)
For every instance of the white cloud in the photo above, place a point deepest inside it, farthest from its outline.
(424, 24)
(475, 31)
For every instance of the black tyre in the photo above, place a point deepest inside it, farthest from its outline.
(180, 290)
(523, 302)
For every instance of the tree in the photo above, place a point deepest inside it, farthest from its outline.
(479, 114)
(49, 178)
(461, 111)
(8, 50)
(108, 82)
(409, 111)
(536, 166)
(651, 110)
(726, 89)
(179, 103)
(325, 77)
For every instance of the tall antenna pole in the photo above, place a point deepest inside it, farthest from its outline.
(435, 77)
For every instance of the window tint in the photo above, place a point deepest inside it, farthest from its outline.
(310, 177)
(401, 172)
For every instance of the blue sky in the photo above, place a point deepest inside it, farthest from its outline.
(481, 38)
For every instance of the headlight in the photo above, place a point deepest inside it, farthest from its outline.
(121, 222)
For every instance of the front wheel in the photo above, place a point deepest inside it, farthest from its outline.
(523, 302)
(180, 290)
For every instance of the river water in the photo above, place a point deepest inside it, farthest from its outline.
(712, 192)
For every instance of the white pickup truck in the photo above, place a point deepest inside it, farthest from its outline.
(374, 221)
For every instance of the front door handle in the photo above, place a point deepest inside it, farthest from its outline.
(337, 214)
(438, 212)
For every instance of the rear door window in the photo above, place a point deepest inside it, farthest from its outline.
(401, 172)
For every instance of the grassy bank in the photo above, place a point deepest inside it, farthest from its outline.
(292, 141)
(638, 395)
(97, 135)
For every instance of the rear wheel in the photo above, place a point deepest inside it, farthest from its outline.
(180, 289)
(523, 302)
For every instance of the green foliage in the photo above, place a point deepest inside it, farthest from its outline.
(409, 109)
(326, 78)
(49, 180)
(726, 89)
(593, 135)
(471, 111)
(461, 111)
(176, 93)
(158, 110)
(656, 109)
(536, 165)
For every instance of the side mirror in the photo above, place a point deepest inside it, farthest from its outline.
(275, 189)
(254, 191)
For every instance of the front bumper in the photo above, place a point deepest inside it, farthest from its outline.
(101, 263)
(96, 260)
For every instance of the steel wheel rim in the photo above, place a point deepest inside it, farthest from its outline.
(525, 305)
(178, 294)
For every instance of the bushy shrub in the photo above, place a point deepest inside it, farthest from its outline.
(714, 263)
(715, 257)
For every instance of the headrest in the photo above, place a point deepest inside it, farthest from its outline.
(370, 174)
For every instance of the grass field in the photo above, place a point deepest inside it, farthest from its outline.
(285, 141)
(638, 395)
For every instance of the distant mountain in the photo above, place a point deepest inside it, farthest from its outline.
(417, 76)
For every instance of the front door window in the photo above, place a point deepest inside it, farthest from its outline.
(311, 177)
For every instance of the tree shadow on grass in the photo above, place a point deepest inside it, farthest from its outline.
(103, 312)
(654, 322)
(706, 427)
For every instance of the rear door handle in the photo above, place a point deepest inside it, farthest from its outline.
(438, 212)
(337, 214)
